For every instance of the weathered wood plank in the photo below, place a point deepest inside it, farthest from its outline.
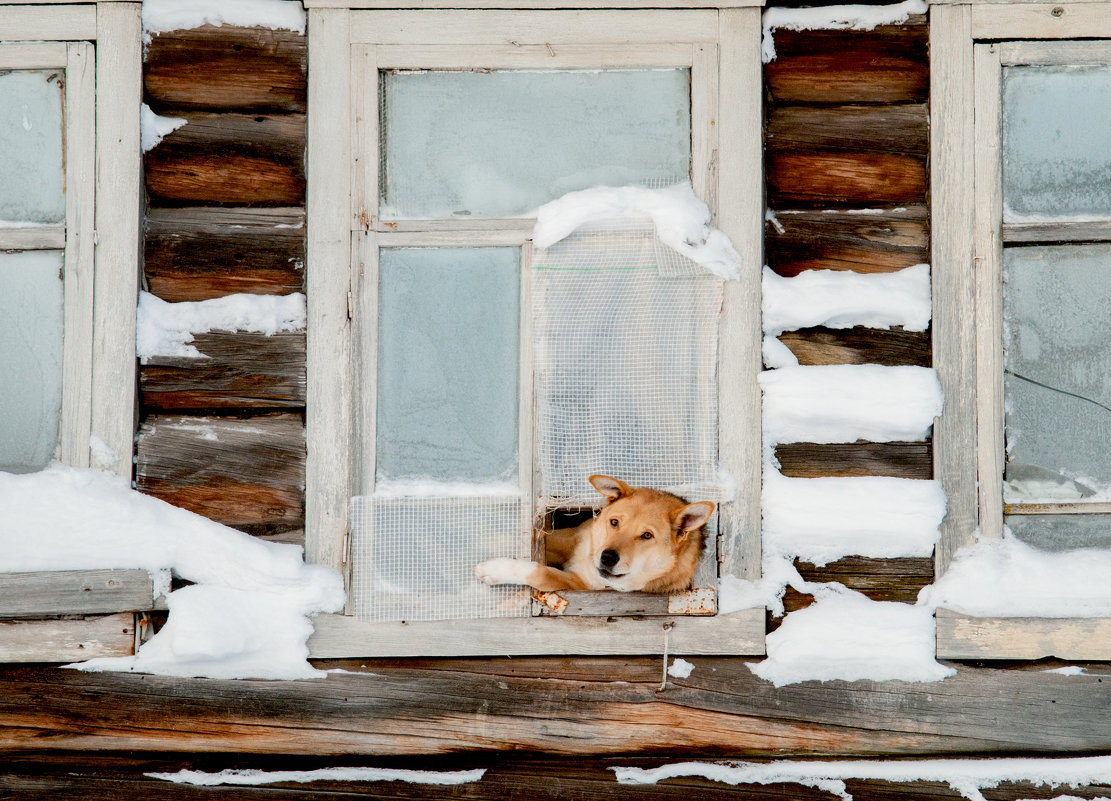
(202, 253)
(243, 370)
(241, 472)
(859, 346)
(873, 129)
(964, 637)
(886, 65)
(899, 459)
(569, 603)
(227, 68)
(67, 640)
(573, 706)
(825, 178)
(883, 241)
(75, 592)
(896, 580)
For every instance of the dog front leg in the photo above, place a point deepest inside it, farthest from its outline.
(524, 571)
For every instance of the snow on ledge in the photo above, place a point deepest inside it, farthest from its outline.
(160, 16)
(682, 221)
(259, 777)
(855, 17)
(153, 128)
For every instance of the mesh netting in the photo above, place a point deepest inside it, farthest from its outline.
(414, 558)
(625, 356)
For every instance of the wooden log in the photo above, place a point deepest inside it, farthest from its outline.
(226, 67)
(871, 129)
(67, 640)
(241, 472)
(859, 346)
(829, 178)
(571, 707)
(75, 592)
(242, 370)
(202, 253)
(898, 459)
(887, 65)
(843, 240)
(230, 158)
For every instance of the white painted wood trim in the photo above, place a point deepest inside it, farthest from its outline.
(989, 289)
(365, 250)
(67, 640)
(952, 196)
(741, 217)
(364, 137)
(1064, 54)
(739, 633)
(40, 55)
(1041, 21)
(118, 189)
(455, 239)
(704, 129)
(544, 28)
(1064, 231)
(48, 23)
(532, 56)
(525, 4)
(34, 237)
(525, 386)
(77, 347)
(328, 414)
(964, 637)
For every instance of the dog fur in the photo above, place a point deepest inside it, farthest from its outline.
(642, 540)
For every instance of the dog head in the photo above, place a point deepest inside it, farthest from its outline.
(645, 539)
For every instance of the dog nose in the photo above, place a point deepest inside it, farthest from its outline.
(609, 558)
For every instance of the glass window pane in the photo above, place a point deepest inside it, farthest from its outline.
(1056, 141)
(501, 143)
(30, 358)
(1057, 326)
(1061, 532)
(31, 184)
(448, 342)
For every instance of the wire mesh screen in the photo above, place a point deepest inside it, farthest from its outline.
(625, 337)
(414, 557)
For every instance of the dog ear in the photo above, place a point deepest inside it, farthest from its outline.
(612, 488)
(692, 517)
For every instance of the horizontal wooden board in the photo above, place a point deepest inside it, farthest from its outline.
(898, 459)
(965, 637)
(242, 370)
(226, 67)
(198, 253)
(75, 592)
(887, 65)
(871, 129)
(67, 640)
(859, 346)
(877, 242)
(838, 178)
(237, 471)
(893, 580)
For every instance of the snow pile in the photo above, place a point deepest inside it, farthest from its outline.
(259, 777)
(855, 17)
(166, 329)
(1008, 578)
(154, 128)
(160, 16)
(682, 221)
(246, 616)
(847, 402)
(966, 776)
(820, 520)
(680, 669)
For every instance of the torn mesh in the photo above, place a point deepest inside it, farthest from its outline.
(414, 557)
(625, 336)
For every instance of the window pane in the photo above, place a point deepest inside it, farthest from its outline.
(30, 358)
(31, 185)
(1056, 146)
(501, 143)
(1061, 532)
(1057, 326)
(448, 341)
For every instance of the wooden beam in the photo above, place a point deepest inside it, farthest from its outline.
(835, 178)
(899, 459)
(75, 592)
(67, 640)
(873, 129)
(966, 637)
(859, 346)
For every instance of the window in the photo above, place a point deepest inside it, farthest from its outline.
(1022, 247)
(460, 124)
(68, 234)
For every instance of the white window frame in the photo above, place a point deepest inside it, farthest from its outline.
(969, 44)
(99, 45)
(346, 50)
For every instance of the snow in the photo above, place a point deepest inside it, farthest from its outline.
(855, 17)
(246, 615)
(166, 329)
(847, 402)
(259, 777)
(680, 669)
(160, 16)
(101, 452)
(682, 221)
(154, 128)
(966, 776)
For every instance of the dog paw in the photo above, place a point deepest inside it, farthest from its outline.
(504, 570)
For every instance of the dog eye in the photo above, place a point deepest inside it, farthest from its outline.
(613, 522)
(646, 535)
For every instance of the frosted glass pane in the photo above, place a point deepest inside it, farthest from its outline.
(1057, 326)
(1057, 141)
(448, 341)
(1061, 532)
(30, 358)
(31, 185)
(501, 143)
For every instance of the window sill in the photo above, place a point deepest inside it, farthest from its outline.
(965, 637)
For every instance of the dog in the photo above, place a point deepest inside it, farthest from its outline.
(642, 540)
